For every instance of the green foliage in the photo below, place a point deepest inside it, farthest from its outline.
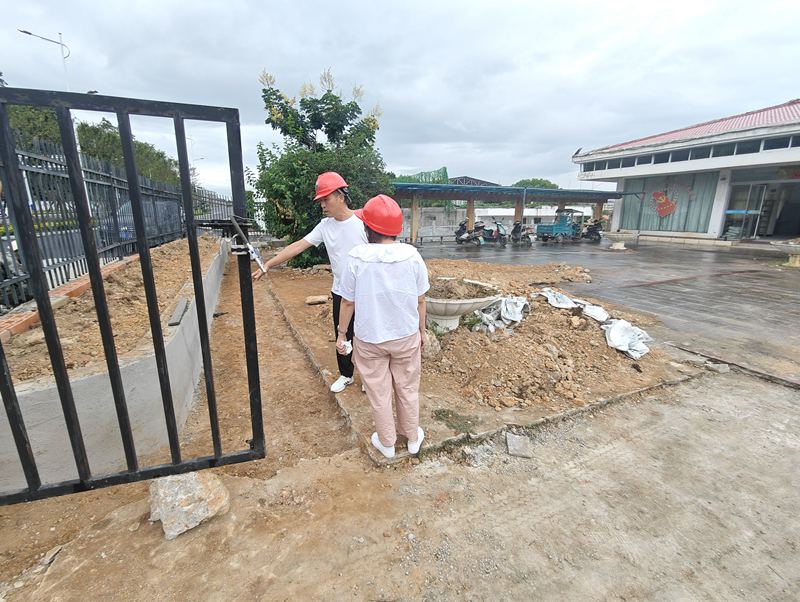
(469, 321)
(286, 174)
(536, 183)
(33, 122)
(101, 140)
(437, 176)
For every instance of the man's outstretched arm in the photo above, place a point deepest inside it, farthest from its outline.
(285, 255)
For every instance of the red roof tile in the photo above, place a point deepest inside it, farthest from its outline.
(782, 114)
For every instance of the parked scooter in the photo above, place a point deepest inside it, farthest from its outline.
(462, 234)
(593, 230)
(498, 235)
(522, 235)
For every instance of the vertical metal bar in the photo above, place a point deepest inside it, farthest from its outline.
(197, 279)
(135, 196)
(17, 425)
(246, 287)
(79, 194)
(33, 260)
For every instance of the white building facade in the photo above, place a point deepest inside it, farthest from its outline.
(736, 178)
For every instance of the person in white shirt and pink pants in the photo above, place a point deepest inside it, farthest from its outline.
(385, 283)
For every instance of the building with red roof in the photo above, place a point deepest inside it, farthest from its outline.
(736, 177)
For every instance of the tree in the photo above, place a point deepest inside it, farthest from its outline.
(101, 140)
(31, 123)
(320, 133)
(536, 183)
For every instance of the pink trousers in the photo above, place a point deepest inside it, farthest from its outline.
(392, 365)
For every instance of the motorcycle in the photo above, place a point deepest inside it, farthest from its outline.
(593, 231)
(489, 235)
(520, 235)
(462, 234)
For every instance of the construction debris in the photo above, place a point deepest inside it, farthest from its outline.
(316, 299)
(182, 502)
(625, 337)
(519, 446)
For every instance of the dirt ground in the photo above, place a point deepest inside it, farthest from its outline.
(300, 420)
(481, 382)
(671, 496)
(77, 321)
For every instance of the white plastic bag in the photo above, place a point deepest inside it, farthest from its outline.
(622, 335)
(556, 299)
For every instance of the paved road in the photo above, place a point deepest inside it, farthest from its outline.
(740, 308)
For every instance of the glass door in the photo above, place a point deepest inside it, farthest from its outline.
(744, 211)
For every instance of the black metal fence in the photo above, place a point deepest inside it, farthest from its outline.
(86, 221)
(44, 173)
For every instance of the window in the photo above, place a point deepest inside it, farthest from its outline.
(612, 164)
(537, 220)
(724, 150)
(795, 141)
(599, 165)
(701, 152)
(773, 143)
(680, 155)
(661, 158)
(588, 167)
(628, 161)
(748, 146)
(644, 160)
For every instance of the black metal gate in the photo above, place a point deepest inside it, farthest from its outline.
(62, 103)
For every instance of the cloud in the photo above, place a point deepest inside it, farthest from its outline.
(499, 91)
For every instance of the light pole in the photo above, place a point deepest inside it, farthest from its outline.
(65, 52)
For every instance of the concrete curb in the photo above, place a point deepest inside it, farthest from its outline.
(41, 407)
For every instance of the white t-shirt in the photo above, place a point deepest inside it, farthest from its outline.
(384, 282)
(339, 237)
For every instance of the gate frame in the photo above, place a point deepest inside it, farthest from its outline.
(62, 103)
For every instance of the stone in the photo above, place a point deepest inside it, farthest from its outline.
(519, 446)
(322, 267)
(57, 301)
(617, 246)
(509, 402)
(432, 346)
(316, 299)
(5, 336)
(718, 368)
(575, 321)
(181, 502)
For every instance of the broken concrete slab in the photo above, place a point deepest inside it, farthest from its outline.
(519, 445)
(718, 368)
(181, 305)
(181, 502)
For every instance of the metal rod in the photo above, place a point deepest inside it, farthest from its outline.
(80, 197)
(197, 280)
(33, 261)
(246, 288)
(135, 197)
(17, 424)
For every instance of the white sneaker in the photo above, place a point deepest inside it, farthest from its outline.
(413, 448)
(386, 451)
(340, 383)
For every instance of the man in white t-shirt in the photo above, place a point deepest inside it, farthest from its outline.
(340, 230)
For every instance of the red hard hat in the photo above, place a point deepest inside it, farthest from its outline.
(382, 214)
(327, 183)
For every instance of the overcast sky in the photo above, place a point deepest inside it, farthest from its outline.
(498, 91)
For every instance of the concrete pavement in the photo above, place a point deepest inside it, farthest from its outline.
(740, 308)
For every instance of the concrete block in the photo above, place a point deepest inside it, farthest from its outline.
(316, 299)
(519, 445)
(181, 305)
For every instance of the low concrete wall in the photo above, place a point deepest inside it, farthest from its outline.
(44, 420)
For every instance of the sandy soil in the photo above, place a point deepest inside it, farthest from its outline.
(300, 420)
(674, 497)
(77, 321)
